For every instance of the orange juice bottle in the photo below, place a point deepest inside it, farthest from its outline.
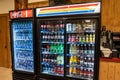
(74, 71)
(70, 70)
(71, 60)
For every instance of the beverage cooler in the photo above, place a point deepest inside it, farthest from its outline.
(69, 38)
(22, 42)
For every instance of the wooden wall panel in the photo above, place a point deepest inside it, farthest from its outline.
(38, 4)
(5, 56)
(110, 14)
(104, 70)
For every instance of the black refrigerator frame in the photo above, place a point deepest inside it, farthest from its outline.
(96, 16)
(17, 74)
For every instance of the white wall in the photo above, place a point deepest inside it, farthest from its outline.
(7, 5)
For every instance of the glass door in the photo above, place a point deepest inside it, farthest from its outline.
(80, 35)
(52, 47)
(23, 45)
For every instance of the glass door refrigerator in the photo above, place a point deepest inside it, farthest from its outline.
(69, 41)
(22, 42)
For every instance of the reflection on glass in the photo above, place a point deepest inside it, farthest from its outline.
(23, 45)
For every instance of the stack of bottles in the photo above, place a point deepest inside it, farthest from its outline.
(87, 38)
(80, 45)
(53, 37)
(52, 32)
(53, 63)
(81, 60)
(23, 43)
(52, 47)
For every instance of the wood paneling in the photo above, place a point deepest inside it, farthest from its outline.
(104, 70)
(5, 58)
(117, 71)
(38, 4)
(109, 70)
(21, 4)
(110, 14)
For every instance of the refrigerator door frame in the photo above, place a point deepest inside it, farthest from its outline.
(97, 44)
(96, 63)
(12, 46)
(39, 72)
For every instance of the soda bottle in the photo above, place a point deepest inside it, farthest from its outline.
(83, 38)
(93, 50)
(76, 38)
(43, 37)
(46, 57)
(59, 36)
(85, 72)
(62, 27)
(91, 72)
(70, 70)
(51, 68)
(53, 48)
(48, 37)
(49, 58)
(75, 61)
(71, 61)
(68, 27)
(77, 48)
(87, 38)
(89, 51)
(62, 38)
(79, 27)
(54, 59)
(73, 27)
(69, 38)
(61, 48)
(85, 50)
(73, 38)
(93, 38)
(48, 26)
(42, 27)
(77, 71)
(58, 60)
(71, 48)
(45, 27)
(90, 38)
(74, 71)
(80, 39)
(81, 71)
(48, 48)
(62, 60)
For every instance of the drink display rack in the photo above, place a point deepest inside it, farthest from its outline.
(52, 47)
(23, 51)
(23, 45)
(69, 41)
(80, 35)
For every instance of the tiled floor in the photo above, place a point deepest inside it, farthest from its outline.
(5, 74)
